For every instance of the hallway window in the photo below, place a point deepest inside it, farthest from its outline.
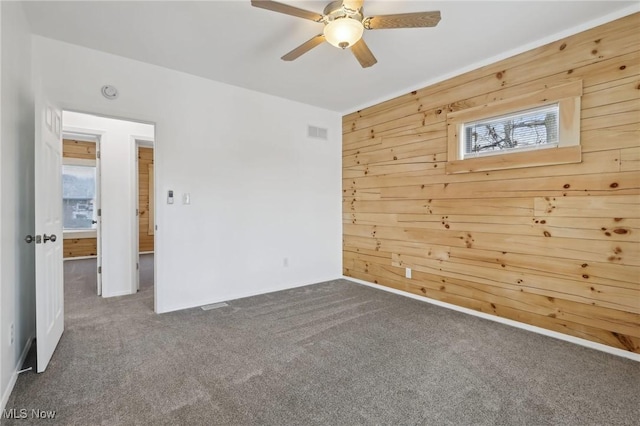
(79, 197)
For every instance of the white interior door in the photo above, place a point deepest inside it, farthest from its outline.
(136, 228)
(97, 211)
(48, 206)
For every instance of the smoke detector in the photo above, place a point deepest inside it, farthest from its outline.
(109, 92)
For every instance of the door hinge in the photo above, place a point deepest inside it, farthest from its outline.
(98, 154)
(99, 212)
(137, 214)
(99, 269)
(137, 266)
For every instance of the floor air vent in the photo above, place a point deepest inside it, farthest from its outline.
(214, 306)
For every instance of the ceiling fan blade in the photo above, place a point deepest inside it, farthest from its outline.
(304, 48)
(286, 9)
(402, 20)
(363, 54)
(353, 4)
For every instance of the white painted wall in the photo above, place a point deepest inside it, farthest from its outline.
(17, 259)
(118, 182)
(260, 190)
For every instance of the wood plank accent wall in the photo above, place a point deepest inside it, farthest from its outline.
(553, 246)
(79, 247)
(145, 159)
(78, 149)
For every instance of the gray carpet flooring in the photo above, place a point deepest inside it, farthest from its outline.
(334, 353)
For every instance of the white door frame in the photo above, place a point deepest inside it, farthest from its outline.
(136, 143)
(95, 136)
(70, 107)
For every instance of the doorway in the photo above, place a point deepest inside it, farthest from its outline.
(112, 183)
(81, 209)
(112, 247)
(145, 212)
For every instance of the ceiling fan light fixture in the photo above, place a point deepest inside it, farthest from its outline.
(343, 32)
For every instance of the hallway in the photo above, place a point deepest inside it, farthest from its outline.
(80, 286)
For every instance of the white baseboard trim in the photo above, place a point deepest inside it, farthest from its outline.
(117, 294)
(95, 257)
(14, 376)
(79, 258)
(533, 328)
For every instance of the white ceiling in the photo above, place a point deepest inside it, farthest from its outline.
(235, 43)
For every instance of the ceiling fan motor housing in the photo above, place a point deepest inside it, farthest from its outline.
(336, 10)
(343, 26)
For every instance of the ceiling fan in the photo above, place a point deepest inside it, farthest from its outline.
(344, 23)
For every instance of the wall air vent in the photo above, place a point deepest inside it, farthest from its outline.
(317, 132)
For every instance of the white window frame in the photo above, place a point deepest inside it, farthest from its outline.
(505, 117)
(70, 234)
(568, 149)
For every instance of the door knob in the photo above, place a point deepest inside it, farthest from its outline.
(31, 238)
(94, 222)
(51, 238)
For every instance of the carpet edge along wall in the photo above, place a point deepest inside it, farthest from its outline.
(555, 246)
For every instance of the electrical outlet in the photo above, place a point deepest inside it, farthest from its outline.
(285, 262)
(407, 272)
(12, 334)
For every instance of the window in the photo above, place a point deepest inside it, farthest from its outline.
(526, 130)
(542, 128)
(78, 197)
